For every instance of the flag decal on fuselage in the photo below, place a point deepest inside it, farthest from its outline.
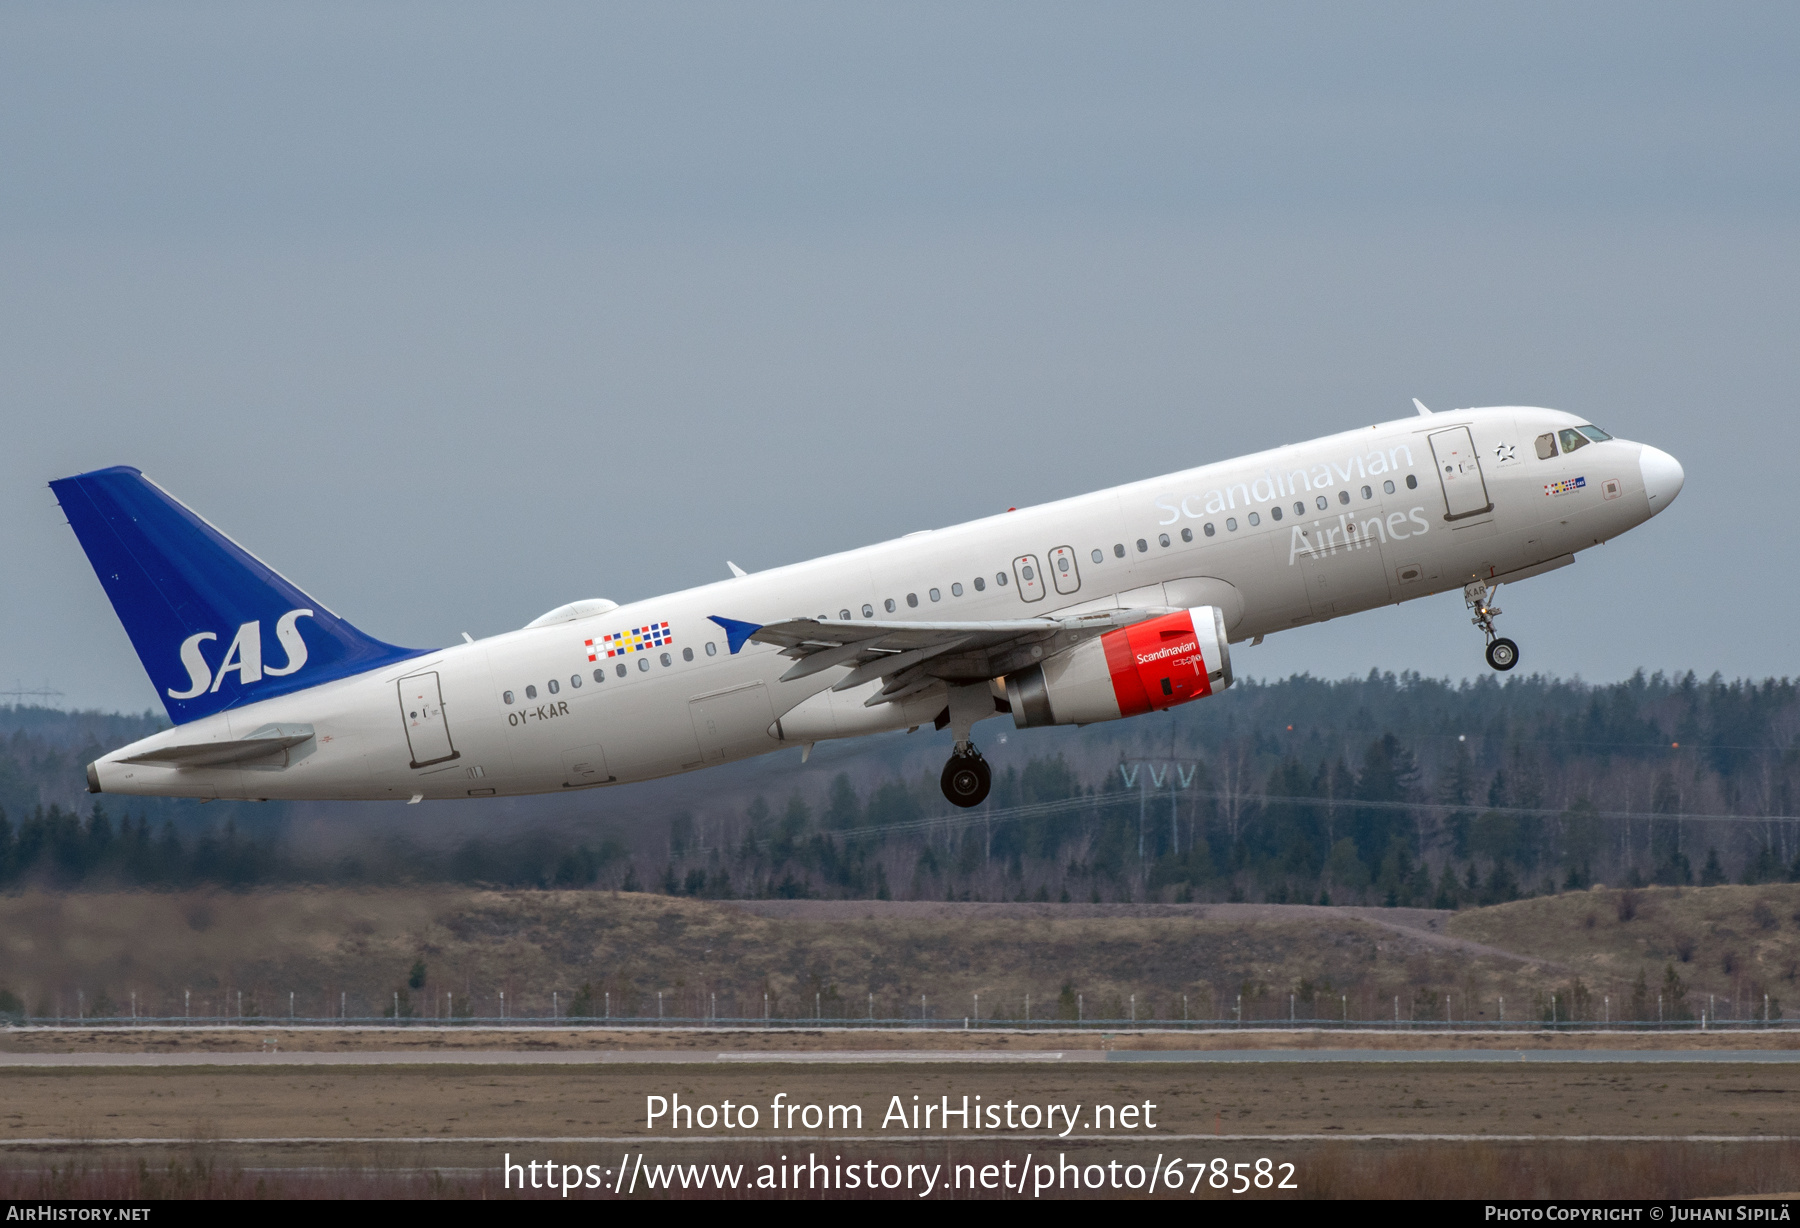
(623, 643)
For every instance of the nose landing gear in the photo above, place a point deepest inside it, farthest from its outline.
(1502, 653)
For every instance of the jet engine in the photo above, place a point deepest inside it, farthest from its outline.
(1155, 664)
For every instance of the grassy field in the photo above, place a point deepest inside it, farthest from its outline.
(525, 1101)
(418, 1132)
(199, 951)
(1336, 1170)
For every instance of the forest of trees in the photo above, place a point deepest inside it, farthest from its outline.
(1394, 790)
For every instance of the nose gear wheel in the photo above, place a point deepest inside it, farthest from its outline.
(1502, 653)
(967, 779)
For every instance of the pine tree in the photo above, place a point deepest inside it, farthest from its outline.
(1712, 873)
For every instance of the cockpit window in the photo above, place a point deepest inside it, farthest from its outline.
(1546, 446)
(1572, 440)
(1594, 433)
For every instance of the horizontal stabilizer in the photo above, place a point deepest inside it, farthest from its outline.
(265, 741)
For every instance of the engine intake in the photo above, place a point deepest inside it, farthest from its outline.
(1155, 664)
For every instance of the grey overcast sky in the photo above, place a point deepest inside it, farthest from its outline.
(456, 313)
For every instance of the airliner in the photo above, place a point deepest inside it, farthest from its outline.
(1094, 608)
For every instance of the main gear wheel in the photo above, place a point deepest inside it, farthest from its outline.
(967, 779)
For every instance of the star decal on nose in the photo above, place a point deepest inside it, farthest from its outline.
(1504, 452)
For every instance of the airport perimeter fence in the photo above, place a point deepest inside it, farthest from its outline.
(1067, 1012)
(914, 1022)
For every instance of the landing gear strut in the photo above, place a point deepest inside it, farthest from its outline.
(967, 778)
(1502, 653)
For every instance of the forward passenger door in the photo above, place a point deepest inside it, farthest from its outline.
(1459, 474)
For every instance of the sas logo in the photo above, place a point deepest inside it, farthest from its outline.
(244, 656)
(1564, 487)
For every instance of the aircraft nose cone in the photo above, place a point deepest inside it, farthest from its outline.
(1662, 477)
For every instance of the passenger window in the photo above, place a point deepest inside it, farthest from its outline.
(1231, 524)
(1142, 545)
(956, 589)
(1299, 509)
(1275, 513)
(687, 654)
(643, 665)
(1343, 496)
(1572, 440)
(912, 601)
(1162, 539)
(980, 584)
(1098, 556)
(936, 596)
(1000, 578)
(1063, 564)
(553, 687)
(530, 692)
(1187, 535)
(667, 660)
(599, 675)
(843, 615)
(1546, 446)
(506, 696)
(1028, 574)
(712, 650)
(868, 610)
(888, 605)
(619, 669)
(1323, 504)
(1388, 486)
(1208, 529)
(1255, 520)
(1367, 493)
(575, 681)
(1118, 550)
(1594, 433)
(1412, 481)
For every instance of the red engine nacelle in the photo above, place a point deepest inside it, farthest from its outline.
(1151, 665)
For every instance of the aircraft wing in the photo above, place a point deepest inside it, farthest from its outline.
(913, 656)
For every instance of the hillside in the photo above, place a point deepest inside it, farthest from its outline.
(367, 945)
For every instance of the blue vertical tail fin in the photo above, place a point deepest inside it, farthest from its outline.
(215, 627)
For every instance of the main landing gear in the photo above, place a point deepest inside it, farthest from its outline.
(967, 777)
(1502, 653)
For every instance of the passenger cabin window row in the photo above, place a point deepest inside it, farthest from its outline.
(1163, 540)
(554, 686)
(1321, 503)
(891, 605)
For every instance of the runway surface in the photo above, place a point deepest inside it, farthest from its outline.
(492, 1057)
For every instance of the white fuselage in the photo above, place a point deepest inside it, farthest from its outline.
(523, 713)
